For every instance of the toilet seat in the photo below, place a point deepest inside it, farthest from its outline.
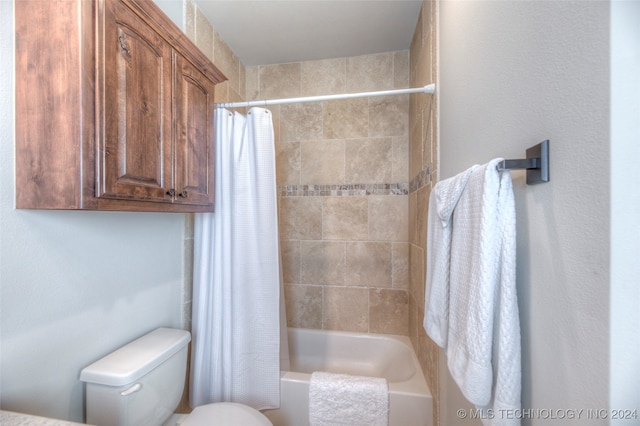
(225, 414)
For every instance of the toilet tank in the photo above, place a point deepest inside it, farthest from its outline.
(139, 384)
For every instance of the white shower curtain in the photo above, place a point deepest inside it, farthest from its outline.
(237, 280)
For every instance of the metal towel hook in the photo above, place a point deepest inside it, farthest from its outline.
(536, 164)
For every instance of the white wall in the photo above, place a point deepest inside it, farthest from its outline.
(513, 74)
(73, 285)
(174, 9)
(625, 205)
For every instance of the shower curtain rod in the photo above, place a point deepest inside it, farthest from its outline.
(429, 88)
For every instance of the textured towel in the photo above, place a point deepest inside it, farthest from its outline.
(341, 399)
(442, 201)
(471, 305)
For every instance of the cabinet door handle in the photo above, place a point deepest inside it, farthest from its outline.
(171, 192)
(183, 194)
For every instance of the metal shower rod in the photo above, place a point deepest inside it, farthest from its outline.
(429, 88)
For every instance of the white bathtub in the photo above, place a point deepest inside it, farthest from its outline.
(373, 355)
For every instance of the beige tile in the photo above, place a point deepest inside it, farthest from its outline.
(299, 122)
(368, 264)
(423, 352)
(303, 306)
(226, 61)
(242, 90)
(432, 136)
(415, 114)
(190, 19)
(421, 216)
(187, 313)
(420, 65)
(275, 117)
(187, 258)
(400, 159)
(189, 223)
(416, 48)
(234, 96)
(370, 72)
(401, 69)
(424, 71)
(426, 350)
(427, 121)
(368, 160)
(424, 146)
(389, 115)
(427, 13)
(345, 218)
(252, 83)
(290, 255)
(187, 276)
(288, 163)
(400, 265)
(413, 323)
(322, 262)
(300, 218)
(346, 308)
(388, 217)
(417, 100)
(322, 162)
(388, 311)
(221, 93)
(346, 119)
(417, 282)
(415, 151)
(204, 34)
(323, 77)
(280, 81)
(412, 217)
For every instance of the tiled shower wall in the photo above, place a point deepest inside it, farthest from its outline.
(354, 178)
(423, 174)
(343, 184)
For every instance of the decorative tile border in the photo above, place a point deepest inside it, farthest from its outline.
(357, 189)
(345, 190)
(423, 178)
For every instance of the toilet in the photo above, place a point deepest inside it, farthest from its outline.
(141, 384)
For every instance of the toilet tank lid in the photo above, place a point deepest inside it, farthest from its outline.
(137, 358)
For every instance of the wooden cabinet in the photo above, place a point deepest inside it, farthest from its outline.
(193, 165)
(136, 141)
(114, 109)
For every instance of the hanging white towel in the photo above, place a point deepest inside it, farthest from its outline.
(442, 201)
(471, 305)
(342, 399)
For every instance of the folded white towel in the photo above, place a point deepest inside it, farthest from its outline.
(342, 399)
(471, 305)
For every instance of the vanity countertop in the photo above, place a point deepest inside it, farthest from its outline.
(9, 418)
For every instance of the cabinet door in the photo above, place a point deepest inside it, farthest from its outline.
(135, 68)
(194, 138)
